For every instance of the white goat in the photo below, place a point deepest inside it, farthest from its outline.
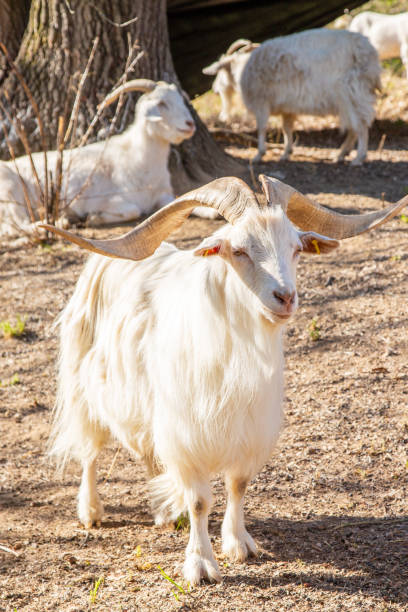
(109, 181)
(179, 356)
(317, 72)
(227, 77)
(387, 33)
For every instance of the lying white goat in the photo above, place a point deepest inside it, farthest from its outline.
(109, 181)
(317, 72)
(387, 33)
(227, 78)
(179, 356)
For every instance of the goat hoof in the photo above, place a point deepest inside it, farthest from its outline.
(238, 549)
(94, 220)
(356, 162)
(198, 568)
(162, 519)
(90, 513)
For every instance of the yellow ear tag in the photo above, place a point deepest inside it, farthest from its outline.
(316, 246)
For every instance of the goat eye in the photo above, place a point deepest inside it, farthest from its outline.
(163, 105)
(239, 252)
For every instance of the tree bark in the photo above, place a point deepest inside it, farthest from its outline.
(54, 52)
(13, 22)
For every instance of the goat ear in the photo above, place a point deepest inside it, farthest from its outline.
(213, 68)
(315, 244)
(154, 115)
(211, 246)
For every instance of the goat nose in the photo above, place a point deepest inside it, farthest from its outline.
(190, 124)
(285, 297)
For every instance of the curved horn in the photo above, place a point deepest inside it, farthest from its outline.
(249, 47)
(230, 196)
(241, 42)
(309, 215)
(144, 85)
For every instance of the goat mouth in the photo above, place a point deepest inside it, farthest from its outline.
(283, 317)
(187, 130)
(275, 317)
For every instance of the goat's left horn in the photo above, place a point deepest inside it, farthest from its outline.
(144, 85)
(237, 44)
(311, 216)
(230, 196)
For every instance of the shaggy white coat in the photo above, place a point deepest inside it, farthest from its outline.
(317, 72)
(179, 357)
(387, 33)
(117, 180)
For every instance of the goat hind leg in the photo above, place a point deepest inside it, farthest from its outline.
(236, 541)
(200, 562)
(90, 508)
(262, 117)
(347, 145)
(361, 146)
(287, 127)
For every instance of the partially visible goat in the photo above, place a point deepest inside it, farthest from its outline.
(317, 72)
(387, 33)
(109, 181)
(226, 82)
(179, 356)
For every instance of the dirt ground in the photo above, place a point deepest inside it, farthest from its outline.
(328, 511)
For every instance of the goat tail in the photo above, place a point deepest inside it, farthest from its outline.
(167, 498)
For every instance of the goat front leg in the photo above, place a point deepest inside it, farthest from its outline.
(287, 127)
(90, 509)
(236, 541)
(200, 563)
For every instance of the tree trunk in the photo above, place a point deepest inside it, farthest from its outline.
(54, 53)
(13, 22)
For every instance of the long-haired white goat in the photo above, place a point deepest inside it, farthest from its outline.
(387, 33)
(317, 72)
(179, 356)
(113, 180)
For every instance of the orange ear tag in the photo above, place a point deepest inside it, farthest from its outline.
(316, 246)
(212, 251)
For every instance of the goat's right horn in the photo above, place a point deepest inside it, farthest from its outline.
(311, 216)
(230, 196)
(145, 85)
(241, 42)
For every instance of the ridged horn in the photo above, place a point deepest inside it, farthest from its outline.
(230, 196)
(249, 47)
(311, 216)
(144, 85)
(237, 44)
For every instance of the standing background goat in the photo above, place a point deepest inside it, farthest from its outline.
(110, 181)
(387, 33)
(317, 72)
(179, 356)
